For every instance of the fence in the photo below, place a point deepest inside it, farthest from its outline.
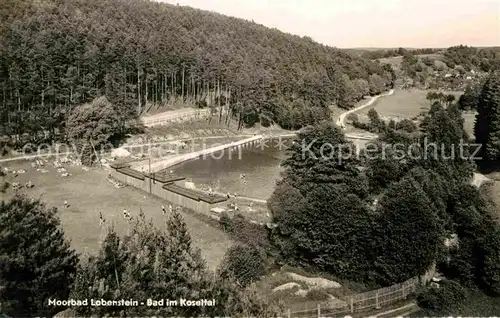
(374, 299)
(191, 199)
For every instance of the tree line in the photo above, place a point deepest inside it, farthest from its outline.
(57, 55)
(385, 53)
(37, 264)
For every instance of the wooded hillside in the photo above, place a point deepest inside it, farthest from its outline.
(57, 54)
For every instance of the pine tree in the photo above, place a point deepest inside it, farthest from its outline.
(444, 143)
(36, 261)
(407, 235)
(487, 127)
(243, 263)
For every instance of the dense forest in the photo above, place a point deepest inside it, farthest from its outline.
(385, 53)
(58, 54)
(483, 59)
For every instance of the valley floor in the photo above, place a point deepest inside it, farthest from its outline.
(89, 192)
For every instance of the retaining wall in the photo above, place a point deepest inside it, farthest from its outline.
(158, 190)
(175, 160)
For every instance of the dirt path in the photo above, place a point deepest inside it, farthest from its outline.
(341, 119)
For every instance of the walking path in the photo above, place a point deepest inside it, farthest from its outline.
(341, 119)
(126, 146)
(169, 162)
(403, 311)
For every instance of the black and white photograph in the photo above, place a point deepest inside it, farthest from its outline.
(249, 158)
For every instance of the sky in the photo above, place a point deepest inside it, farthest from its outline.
(371, 23)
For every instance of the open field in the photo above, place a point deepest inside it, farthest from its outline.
(402, 104)
(395, 61)
(433, 56)
(89, 192)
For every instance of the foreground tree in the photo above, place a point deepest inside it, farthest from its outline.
(407, 235)
(444, 300)
(243, 263)
(150, 263)
(36, 262)
(444, 144)
(487, 127)
(469, 100)
(93, 125)
(319, 208)
(475, 262)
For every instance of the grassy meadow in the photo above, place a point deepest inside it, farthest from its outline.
(402, 104)
(89, 192)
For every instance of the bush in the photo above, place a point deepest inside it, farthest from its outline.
(407, 125)
(317, 295)
(243, 263)
(352, 117)
(265, 121)
(5, 185)
(244, 231)
(442, 300)
(225, 223)
(361, 125)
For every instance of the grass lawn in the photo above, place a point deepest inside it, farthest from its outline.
(396, 61)
(89, 192)
(402, 104)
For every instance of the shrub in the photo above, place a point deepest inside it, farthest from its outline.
(407, 125)
(225, 223)
(265, 121)
(5, 185)
(317, 295)
(352, 117)
(244, 263)
(361, 125)
(442, 300)
(244, 231)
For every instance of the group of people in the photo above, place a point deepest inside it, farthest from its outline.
(126, 214)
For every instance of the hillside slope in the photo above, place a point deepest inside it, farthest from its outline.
(57, 54)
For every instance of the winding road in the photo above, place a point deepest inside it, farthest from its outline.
(341, 119)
